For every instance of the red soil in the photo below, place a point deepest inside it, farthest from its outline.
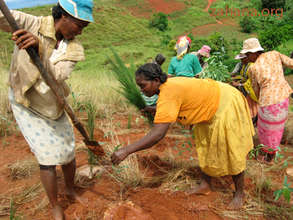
(104, 195)
(166, 7)
(207, 29)
(153, 6)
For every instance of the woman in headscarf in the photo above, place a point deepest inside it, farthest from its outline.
(223, 127)
(185, 63)
(203, 52)
(272, 91)
(40, 117)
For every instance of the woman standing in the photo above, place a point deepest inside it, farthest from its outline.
(242, 82)
(41, 119)
(220, 113)
(272, 91)
(185, 63)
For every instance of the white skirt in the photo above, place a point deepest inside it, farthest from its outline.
(51, 141)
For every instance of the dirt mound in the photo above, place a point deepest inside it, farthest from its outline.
(126, 210)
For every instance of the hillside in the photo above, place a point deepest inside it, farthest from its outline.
(151, 184)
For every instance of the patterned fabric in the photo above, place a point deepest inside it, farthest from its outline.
(189, 66)
(268, 79)
(187, 100)
(28, 87)
(51, 141)
(150, 101)
(223, 142)
(270, 125)
(182, 46)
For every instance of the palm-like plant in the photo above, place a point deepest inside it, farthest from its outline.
(128, 87)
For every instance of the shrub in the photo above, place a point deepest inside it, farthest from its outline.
(273, 3)
(165, 39)
(290, 16)
(248, 24)
(230, 63)
(171, 45)
(274, 36)
(197, 44)
(217, 43)
(159, 21)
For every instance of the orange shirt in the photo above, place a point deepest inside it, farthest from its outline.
(187, 100)
(267, 77)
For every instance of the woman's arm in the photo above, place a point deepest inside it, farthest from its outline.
(23, 20)
(154, 136)
(286, 61)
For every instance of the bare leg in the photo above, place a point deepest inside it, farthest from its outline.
(49, 181)
(69, 173)
(238, 199)
(204, 188)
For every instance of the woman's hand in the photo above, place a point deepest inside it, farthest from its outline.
(236, 84)
(149, 109)
(119, 155)
(24, 39)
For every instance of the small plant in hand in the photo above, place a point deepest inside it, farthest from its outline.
(128, 87)
(285, 191)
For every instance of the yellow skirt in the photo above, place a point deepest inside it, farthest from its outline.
(223, 142)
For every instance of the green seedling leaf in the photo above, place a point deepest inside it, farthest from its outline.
(277, 194)
(286, 194)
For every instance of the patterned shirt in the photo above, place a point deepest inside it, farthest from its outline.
(268, 79)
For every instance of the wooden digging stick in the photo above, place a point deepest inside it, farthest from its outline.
(53, 84)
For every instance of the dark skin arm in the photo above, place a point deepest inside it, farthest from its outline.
(24, 39)
(150, 109)
(154, 136)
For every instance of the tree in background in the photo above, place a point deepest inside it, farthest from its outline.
(159, 21)
(273, 4)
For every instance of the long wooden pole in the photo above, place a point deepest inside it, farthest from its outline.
(52, 83)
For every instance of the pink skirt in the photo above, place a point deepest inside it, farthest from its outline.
(270, 125)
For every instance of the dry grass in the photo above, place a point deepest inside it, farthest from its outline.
(28, 194)
(181, 176)
(23, 169)
(250, 210)
(4, 206)
(127, 172)
(98, 88)
(40, 206)
(6, 118)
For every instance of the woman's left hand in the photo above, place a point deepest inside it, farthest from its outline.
(119, 155)
(25, 39)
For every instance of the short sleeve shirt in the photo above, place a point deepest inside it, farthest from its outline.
(187, 100)
(188, 66)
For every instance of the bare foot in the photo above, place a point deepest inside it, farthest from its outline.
(57, 213)
(202, 189)
(237, 202)
(73, 196)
